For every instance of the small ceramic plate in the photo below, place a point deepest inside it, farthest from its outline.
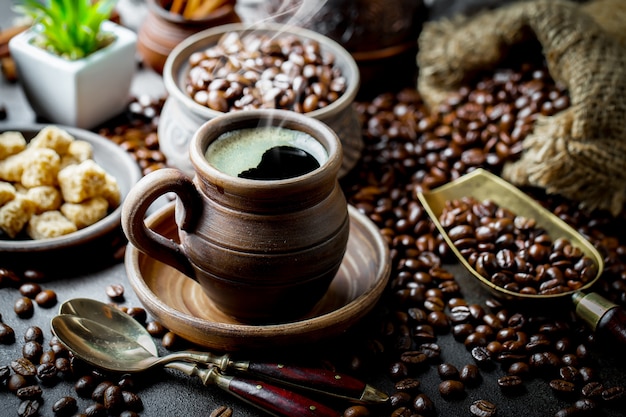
(87, 247)
(181, 305)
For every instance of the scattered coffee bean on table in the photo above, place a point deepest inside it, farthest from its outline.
(483, 408)
(222, 411)
(115, 292)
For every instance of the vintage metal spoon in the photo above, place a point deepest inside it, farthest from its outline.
(320, 380)
(108, 349)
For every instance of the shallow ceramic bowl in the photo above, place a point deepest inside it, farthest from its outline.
(180, 304)
(86, 248)
(182, 116)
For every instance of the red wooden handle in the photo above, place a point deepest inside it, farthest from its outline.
(277, 400)
(311, 378)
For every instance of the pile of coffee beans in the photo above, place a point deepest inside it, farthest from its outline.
(45, 365)
(512, 252)
(412, 148)
(261, 71)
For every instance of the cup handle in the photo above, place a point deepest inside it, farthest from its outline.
(139, 199)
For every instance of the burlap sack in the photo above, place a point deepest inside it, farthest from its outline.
(579, 153)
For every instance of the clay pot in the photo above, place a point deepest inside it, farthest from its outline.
(161, 30)
(381, 35)
(263, 250)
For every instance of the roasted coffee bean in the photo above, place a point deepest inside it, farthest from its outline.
(30, 289)
(520, 369)
(127, 383)
(95, 410)
(470, 375)
(131, 400)
(563, 387)
(98, 392)
(47, 373)
(7, 334)
(355, 411)
(85, 386)
(592, 390)
(24, 367)
(614, 394)
(569, 373)
(223, 411)
(407, 384)
(510, 382)
(169, 341)
(23, 307)
(401, 412)
(451, 389)
(33, 333)
(115, 292)
(138, 313)
(414, 358)
(113, 399)
(17, 381)
(29, 408)
(30, 392)
(46, 298)
(422, 404)
(570, 411)
(32, 351)
(483, 408)
(586, 405)
(65, 406)
(398, 371)
(482, 356)
(447, 371)
(431, 350)
(155, 328)
(5, 371)
(399, 399)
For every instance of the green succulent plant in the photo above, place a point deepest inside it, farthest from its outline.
(69, 28)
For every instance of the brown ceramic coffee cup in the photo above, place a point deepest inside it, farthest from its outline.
(265, 247)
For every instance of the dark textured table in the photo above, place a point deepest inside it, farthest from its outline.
(168, 393)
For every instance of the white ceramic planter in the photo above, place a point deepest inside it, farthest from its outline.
(82, 93)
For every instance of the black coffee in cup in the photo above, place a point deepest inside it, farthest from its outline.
(266, 153)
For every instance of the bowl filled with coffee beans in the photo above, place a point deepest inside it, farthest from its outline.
(61, 190)
(236, 67)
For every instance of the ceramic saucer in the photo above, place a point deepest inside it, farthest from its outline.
(180, 304)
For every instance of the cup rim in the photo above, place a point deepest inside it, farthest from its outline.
(177, 62)
(225, 122)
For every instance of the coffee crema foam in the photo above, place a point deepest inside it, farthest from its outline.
(239, 150)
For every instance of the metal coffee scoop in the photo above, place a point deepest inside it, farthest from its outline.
(108, 349)
(312, 379)
(600, 314)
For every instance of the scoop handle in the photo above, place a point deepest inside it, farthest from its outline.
(613, 323)
(321, 380)
(601, 315)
